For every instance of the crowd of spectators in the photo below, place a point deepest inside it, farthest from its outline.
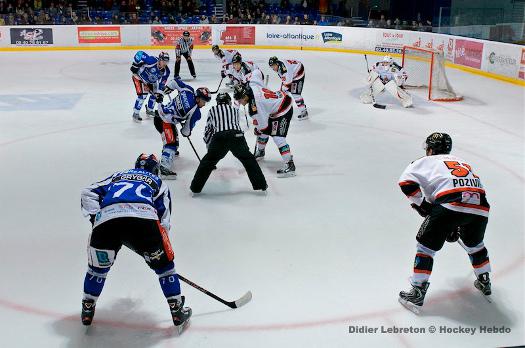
(306, 12)
(383, 22)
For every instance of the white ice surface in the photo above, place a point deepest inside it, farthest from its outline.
(327, 249)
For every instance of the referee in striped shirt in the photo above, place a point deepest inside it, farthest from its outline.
(184, 48)
(223, 134)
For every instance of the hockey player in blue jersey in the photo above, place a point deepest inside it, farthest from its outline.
(150, 75)
(131, 208)
(183, 109)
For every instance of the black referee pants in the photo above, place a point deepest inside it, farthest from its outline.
(190, 64)
(220, 145)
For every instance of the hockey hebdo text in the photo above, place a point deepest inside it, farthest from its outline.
(439, 329)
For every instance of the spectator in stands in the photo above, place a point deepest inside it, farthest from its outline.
(204, 20)
(382, 22)
(288, 20)
(214, 20)
(296, 21)
(323, 21)
(156, 20)
(306, 20)
(397, 23)
(232, 20)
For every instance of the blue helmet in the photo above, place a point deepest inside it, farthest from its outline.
(147, 162)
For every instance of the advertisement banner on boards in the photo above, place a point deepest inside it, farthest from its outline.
(391, 41)
(167, 35)
(237, 35)
(521, 73)
(501, 59)
(31, 36)
(468, 53)
(99, 34)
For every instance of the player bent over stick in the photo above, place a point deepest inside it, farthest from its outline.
(445, 191)
(292, 75)
(225, 57)
(184, 109)
(271, 113)
(387, 75)
(131, 208)
(150, 74)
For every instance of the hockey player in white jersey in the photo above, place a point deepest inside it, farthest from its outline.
(387, 75)
(292, 75)
(225, 57)
(444, 189)
(239, 69)
(271, 113)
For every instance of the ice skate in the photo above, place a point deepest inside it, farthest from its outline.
(288, 170)
(303, 115)
(180, 314)
(88, 311)
(413, 299)
(136, 117)
(259, 154)
(483, 285)
(150, 112)
(167, 174)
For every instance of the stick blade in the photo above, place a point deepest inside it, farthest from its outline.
(379, 106)
(243, 300)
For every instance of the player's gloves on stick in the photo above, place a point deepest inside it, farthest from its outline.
(223, 74)
(159, 97)
(256, 132)
(453, 236)
(185, 131)
(423, 209)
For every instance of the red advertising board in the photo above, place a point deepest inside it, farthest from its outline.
(167, 35)
(243, 35)
(468, 53)
(521, 72)
(99, 34)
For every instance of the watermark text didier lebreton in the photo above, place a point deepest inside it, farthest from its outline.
(439, 329)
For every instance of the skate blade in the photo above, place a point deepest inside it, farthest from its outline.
(137, 120)
(410, 306)
(302, 118)
(286, 175)
(181, 328)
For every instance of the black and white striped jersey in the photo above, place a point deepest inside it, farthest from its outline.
(221, 118)
(184, 46)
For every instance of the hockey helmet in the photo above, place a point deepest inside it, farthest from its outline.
(440, 143)
(241, 91)
(223, 98)
(237, 58)
(203, 93)
(147, 162)
(273, 60)
(215, 49)
(186, 33)
(387, 59)
(164, 56)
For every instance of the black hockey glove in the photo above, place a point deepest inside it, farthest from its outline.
(223, 74)
(159, 97)
(92, 219)
(424, 209)
(134, 69)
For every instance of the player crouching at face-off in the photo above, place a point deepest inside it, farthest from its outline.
(183, 109)
(387, 75)
(131, 208)
(271, 113)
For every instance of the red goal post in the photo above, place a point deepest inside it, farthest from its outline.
(426, 69)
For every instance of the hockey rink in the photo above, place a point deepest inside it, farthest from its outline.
(323, 252)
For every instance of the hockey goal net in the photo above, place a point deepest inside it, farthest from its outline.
(426, 69)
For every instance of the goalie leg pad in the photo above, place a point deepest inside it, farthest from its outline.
(404, 98)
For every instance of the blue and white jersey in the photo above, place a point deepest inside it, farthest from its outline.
(132, 193)
(149, 71)
(183, 107)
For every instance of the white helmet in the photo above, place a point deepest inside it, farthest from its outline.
(388, 59)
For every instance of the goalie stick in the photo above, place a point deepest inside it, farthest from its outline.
(375, 105)
(232, 304)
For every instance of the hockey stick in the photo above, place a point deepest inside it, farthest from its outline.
(193, 147)
(375, 105)
(232, 304)
(220, 83)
